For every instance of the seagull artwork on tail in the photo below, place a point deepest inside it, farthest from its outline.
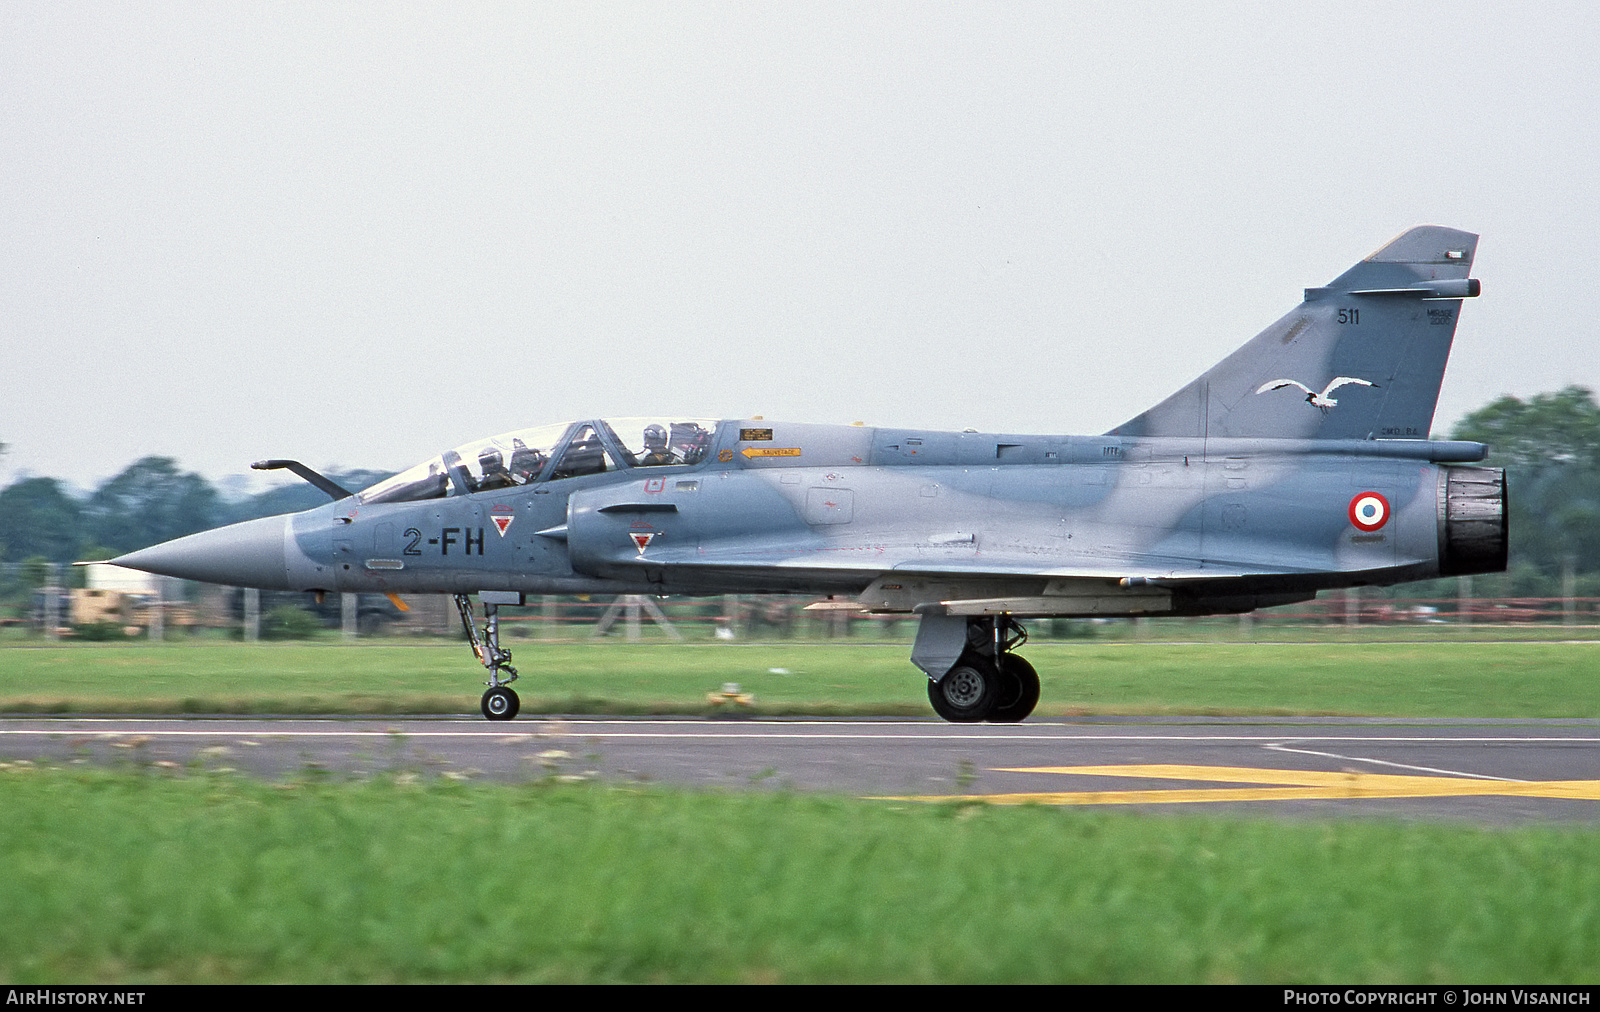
(1320, 400)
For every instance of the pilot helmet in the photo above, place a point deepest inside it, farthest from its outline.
(655, 437)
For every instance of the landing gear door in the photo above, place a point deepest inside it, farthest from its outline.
(941, 639)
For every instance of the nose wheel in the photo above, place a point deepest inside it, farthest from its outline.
(501, 703)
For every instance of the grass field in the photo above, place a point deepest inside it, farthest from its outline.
(152, 877)
(146, 874)
(1415, 679)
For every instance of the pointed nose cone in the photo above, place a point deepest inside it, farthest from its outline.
(250, 554)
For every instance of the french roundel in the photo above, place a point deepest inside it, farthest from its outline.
(1369, 511)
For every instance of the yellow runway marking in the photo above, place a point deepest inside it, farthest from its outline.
(1288, 785)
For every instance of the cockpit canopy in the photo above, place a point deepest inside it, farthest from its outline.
(548, 453)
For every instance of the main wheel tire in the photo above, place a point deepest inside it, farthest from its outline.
(967, 692)
(500, 703)
(1019, 692)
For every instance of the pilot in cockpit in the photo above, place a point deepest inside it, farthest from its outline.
(655, 448)
(494, 471)
(526, 462)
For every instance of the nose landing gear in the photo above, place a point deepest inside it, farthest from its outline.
(500, 702)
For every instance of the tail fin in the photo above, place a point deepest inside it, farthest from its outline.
(1361, 358)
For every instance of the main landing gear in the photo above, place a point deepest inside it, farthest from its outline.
(988, 681)
(500, 702)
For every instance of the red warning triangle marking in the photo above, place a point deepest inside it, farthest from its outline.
(641, 541)
(501, 522)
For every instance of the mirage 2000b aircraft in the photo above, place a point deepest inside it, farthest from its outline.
(1301, 462)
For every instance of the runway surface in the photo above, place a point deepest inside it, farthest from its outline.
(1492, 772)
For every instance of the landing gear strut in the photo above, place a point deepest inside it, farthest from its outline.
(500, 702)
(988, 681)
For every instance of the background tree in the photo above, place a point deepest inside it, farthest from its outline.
(149, 502)
(38, 518)
(1550, 448)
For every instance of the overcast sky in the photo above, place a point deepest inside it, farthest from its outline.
(358, 234)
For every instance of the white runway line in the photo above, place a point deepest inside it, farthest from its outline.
(1398, 766)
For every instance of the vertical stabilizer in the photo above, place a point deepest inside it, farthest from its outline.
(1361, 358)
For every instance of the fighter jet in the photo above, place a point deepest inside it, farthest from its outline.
(1228, 496)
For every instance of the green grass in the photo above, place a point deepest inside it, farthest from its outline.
(149, 876)
(1412, 679)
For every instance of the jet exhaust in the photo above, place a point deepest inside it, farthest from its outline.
(1473, 535)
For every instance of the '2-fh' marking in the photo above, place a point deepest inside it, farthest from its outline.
(470, 542)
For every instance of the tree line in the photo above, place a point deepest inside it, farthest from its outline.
(150, 501)
(1549, 445)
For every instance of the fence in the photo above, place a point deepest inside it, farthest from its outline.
(35, 604)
